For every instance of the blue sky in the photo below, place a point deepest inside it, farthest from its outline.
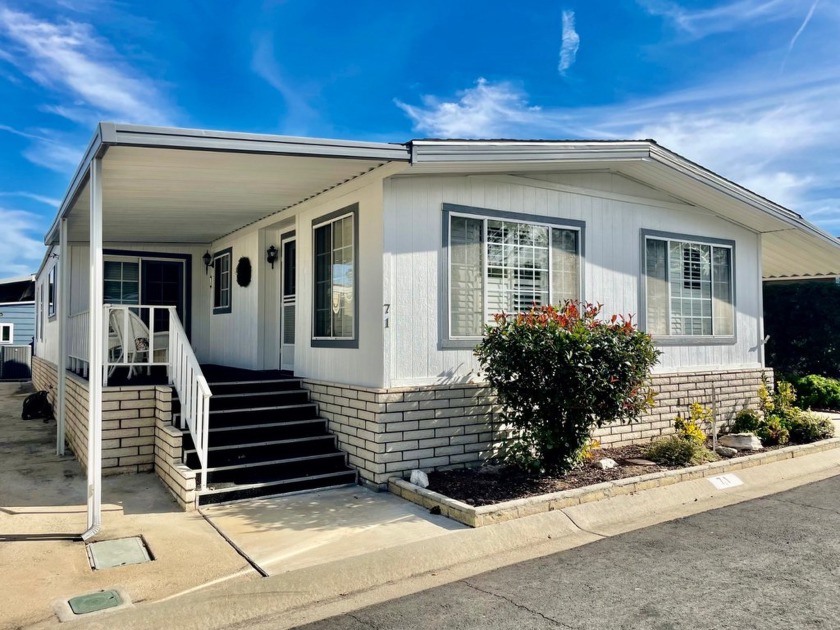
(748, 88)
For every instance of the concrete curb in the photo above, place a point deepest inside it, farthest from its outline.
(519, 508)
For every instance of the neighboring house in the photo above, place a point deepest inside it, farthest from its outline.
(371, 270)
(17, 326)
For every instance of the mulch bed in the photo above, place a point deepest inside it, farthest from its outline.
(493, 484)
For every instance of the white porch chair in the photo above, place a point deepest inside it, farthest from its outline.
(127, 346)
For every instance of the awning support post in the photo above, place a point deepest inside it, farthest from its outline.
(94, 459)
(63, 317)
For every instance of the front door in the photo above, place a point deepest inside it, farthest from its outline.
(287, 304)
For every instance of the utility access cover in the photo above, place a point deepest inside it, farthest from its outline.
(116, 553)
(94, 601)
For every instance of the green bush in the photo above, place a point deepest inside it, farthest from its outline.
(772, 432)
(676, 451)
(818, 392)
(810, 427)
(746, 421)
(559, 373)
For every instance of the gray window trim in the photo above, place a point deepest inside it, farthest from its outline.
(221, 310)
(445, 343)
(52, 293)
(685, 340)
(322, 342)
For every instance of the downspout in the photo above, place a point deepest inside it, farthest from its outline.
(95, 357)
(63, 313)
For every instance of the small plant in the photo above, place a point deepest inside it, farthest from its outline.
(765, 396)
(586, 453)
(772, 432)
(676, 451)
(784, 399)
(746, 421)
(691, 428)
(809, 427)
(818, 392)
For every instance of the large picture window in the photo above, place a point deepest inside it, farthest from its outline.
(222, 281)
(336, 271)
(688, 287)
(501, 263)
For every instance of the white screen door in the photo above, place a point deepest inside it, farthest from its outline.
(287, 304)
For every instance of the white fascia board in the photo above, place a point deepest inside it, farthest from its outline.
(513, 151)
(716, 182)
(225, 141)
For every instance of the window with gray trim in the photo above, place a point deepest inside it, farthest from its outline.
(51, 293)
(222, 281)
(335, 277)
(688, 287)
(500, 264)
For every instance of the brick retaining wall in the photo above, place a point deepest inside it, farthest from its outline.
(387, 433)
(128, 420)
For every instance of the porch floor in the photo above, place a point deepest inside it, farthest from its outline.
(212, 372)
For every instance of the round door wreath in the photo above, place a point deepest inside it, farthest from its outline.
(243, 272)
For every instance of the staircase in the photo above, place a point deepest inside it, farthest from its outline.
(265, 438)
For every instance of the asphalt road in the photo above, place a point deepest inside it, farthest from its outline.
(768, 563)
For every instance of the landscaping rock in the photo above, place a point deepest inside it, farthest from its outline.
(725, 451)
(639, 462)
(741, 441)
(419, 478)
(607, 463)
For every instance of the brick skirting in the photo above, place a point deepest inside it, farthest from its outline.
(389, 432)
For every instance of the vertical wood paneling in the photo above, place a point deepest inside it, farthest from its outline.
(413, 206)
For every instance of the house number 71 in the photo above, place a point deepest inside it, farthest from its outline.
(386, 315)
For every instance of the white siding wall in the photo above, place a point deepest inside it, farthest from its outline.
(46, 339)
(248, 337)
(414, 255)
(357, 366)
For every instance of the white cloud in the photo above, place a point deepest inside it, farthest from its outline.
(799, 31)
(21, 250)
(48, 151)
(723, 18)
(50, 201)
(780, 147)
(299, 114)
(70, 59)
(484, 111)
(571, 43)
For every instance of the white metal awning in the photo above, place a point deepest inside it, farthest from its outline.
(189, 186)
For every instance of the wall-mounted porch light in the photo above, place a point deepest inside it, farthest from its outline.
(271, 256)
(208, 262)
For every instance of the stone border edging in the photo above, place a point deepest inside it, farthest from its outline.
(518, 508)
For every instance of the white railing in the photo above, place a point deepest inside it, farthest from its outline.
(193, 391)
(77, 342)
(134, 340)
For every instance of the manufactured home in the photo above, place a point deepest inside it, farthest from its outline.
(17, 326)
(251, 314)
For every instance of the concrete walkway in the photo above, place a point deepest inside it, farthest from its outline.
(282, 534)
(43, 511)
